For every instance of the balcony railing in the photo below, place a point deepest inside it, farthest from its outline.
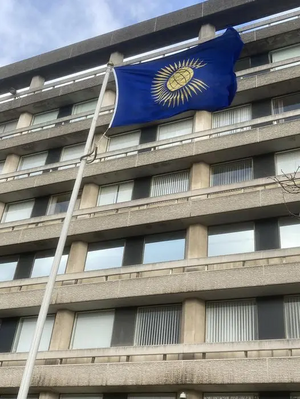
(153, 146)
(74, 78)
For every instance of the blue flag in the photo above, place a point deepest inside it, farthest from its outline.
(201, 78)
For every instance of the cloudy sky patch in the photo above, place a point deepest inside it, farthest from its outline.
(32, 27)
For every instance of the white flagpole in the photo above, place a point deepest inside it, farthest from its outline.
(27, 374)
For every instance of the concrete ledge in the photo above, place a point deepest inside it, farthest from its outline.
(217, 374)
(254, 278)
(274, 137)
(164, 216)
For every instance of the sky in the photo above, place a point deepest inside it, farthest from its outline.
(32, 27)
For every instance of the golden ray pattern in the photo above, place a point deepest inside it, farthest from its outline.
(175, 84)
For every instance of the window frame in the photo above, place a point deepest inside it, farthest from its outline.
(177, 232)
(106, 245)
(188, 171)
(31, 155)
(211, 166)
(19, 331)
(284, 152)
(3, 219)
(173, 123)
(123, 134)
(71, 346)
(49, 254)
(233, 231)
(51, 204)
(117, 195)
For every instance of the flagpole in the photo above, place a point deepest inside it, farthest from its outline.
(28, 370)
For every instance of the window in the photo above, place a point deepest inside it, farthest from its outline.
(8, 267)
(230, 239)
(231, 321)
(43, 263)
(285, 54)
(104, 255)
(44, 118)
(170, 183)
(287, 103)
(115, 193)
(124, 141)
(289, 229)
(93, 330)
(158, 325)
(85, 106)
(33, 161)
(18, 211)
(25, 333)
(231, 172)
(292, 316)
(174, 129)
(8, 127)
(231, 117)
(287, 162)
(72, 152)
(59, 204)
(164, 247)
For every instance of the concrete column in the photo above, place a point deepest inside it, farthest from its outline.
(101, 143)
(199, 176)
(11, 163)
(193, 321)
(89, 196)
(77, 257)
(116, 58)
(62, 330)
(49, 395)
(24, 120)
(203, 119)
(196, 241)
(109, 98)
(36, 82)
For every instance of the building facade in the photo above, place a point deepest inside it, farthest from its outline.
(180, 277)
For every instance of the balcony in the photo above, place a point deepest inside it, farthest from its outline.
(214, 367)
(224, 277)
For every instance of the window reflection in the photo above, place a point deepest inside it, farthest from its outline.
(164, 247)
(104, 256)
(289, 233)
(43, 263)
(231, 239)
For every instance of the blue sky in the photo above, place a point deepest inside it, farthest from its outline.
(32, 27)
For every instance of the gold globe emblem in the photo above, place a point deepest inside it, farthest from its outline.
(176, 83)
(180, 78)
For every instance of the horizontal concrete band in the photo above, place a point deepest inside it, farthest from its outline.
(160, 373)
(179, 214)
(149, 35)
(255, 278)
(252, 349)
(248, 142)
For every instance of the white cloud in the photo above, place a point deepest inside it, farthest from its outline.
(28, 28)
(32, 27)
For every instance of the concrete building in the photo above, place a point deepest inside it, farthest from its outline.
(181, 271)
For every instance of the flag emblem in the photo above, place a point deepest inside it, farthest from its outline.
(176, 83)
